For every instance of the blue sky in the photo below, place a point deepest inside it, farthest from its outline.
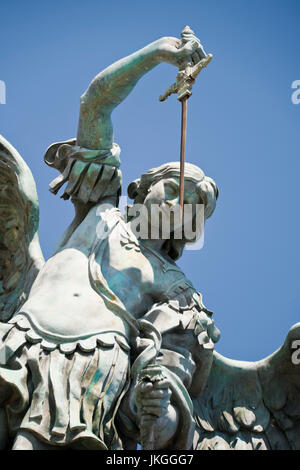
(243, 131)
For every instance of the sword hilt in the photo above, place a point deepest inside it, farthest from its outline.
(185, 80)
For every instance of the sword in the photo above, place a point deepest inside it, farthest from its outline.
(183, 86)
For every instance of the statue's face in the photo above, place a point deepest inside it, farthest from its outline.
(165, 195)
(166, 192)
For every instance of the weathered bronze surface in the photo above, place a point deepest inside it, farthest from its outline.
(108, 344)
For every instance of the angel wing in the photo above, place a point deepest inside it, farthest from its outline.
(20, 253)
(252, 405)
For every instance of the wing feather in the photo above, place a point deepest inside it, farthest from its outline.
(20, 253)
(251, 405)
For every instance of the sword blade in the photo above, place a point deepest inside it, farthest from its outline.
(182, 148)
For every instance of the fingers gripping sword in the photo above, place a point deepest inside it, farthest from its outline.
(183, 86)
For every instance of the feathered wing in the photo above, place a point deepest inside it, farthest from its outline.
(20, 253)
(252, 405)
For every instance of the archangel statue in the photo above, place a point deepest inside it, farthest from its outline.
(107, 344)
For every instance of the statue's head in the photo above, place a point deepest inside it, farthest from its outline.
(160, 186)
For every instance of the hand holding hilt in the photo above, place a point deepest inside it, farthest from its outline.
(189, 70)
(155, 413)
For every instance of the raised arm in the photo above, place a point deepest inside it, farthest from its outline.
(111, 86)
(90, 163)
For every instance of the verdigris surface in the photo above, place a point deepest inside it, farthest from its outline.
(108, 344)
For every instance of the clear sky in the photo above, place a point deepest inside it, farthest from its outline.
(243, 131)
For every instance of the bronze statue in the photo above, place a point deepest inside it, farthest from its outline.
(108, 344)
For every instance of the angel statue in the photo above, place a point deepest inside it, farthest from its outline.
(108, 344)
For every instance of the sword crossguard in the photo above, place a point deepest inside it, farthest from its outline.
(185, 80)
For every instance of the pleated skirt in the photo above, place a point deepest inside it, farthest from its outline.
(64, 399)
